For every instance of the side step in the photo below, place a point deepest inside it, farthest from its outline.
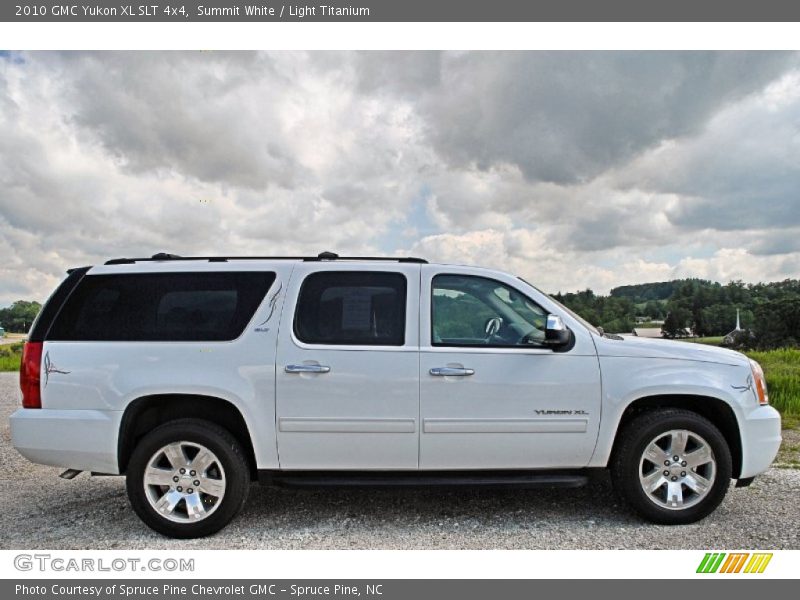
(390, 479)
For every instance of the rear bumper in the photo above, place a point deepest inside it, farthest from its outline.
(761, 439)
(75, 439)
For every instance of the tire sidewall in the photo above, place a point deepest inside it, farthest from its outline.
(627, 467)
(207, 434)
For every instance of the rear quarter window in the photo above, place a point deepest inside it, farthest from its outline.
(212, 306)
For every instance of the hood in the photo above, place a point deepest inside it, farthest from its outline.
(636, 347)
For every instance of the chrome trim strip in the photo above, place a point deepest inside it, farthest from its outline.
(504, 425)
(315, 425)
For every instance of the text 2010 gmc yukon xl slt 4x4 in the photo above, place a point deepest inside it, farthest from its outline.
(193, 376)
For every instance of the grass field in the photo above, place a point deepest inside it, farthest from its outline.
(711, 341)
(10, 356)
(782, 369)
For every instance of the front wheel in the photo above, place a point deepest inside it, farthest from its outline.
(187, 478)
(672, 466)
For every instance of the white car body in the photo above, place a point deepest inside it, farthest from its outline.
(378, 407)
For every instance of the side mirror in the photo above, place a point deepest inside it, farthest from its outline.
(492, 326)
(556, 333)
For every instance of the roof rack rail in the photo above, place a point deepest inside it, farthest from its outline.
(322, 256)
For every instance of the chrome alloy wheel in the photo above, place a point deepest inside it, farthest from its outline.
(677, 469)
(184, 482)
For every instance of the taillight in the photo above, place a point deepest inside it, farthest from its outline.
(29, 375)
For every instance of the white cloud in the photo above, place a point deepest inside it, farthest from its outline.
(572, 169)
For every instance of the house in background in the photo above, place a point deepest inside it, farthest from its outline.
(647, 332)
(656, 333)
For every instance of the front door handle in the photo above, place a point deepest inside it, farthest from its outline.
(451, 371)
(307, 369)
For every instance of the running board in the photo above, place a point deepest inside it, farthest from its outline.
(501, 479)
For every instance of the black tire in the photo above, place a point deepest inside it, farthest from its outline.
(637, 435)
(217, 440)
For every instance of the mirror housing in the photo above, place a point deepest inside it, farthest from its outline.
(556, 334)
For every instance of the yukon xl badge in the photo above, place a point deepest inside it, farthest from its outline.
(561, 412)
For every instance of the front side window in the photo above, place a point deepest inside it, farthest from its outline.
(352, 308)
(476, 311)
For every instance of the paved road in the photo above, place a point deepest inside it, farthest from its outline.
(42, 511)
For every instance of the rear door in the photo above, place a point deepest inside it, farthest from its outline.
(347, 368)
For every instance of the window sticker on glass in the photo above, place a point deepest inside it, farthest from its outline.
(352, 307)
(356, 309)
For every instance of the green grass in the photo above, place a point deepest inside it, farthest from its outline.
(791, 422)
(710, 341)
(782, 370)
(10, 357)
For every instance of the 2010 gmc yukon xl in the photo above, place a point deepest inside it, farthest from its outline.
(194, 376)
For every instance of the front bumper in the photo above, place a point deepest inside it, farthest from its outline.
(77, 439)
(761, 439)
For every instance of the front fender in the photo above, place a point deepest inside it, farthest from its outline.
(626, 380)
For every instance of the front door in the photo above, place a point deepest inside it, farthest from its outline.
(347, 368)
(492, 394)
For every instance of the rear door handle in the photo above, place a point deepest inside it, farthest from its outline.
(451, 371)
(307, 369)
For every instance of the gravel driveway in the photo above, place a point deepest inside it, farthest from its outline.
(42, 511)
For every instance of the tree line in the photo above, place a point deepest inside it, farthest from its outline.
(18, 317)
(769, 312)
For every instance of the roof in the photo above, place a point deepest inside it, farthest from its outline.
(322, 256)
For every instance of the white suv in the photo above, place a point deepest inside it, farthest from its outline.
(194, 376)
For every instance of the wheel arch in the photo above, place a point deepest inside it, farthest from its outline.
(147, 412)
(716, 410)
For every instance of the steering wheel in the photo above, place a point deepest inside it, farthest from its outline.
(491, 328)
(530, 338)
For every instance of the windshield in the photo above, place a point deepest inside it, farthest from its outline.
(569, 311)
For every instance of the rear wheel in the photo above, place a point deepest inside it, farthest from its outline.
(672, 466)
(187, 478)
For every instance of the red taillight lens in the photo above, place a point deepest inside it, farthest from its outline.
(29, 375)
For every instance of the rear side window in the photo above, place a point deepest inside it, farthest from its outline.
(176, 307)
(355, 308)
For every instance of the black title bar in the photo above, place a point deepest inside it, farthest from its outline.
(404, 10)
(390, 589)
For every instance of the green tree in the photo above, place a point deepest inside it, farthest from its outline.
(777, 322)
(654, 310)
(18, 317)
(675, 322)
(768, 310)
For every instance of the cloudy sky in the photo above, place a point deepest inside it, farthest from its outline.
(574, 170)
